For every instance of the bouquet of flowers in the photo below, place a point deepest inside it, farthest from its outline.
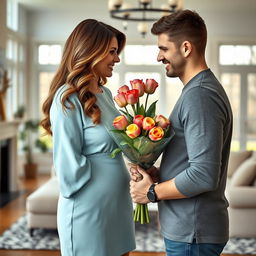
(142, 135)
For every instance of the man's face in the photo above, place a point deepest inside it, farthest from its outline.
(171, 56)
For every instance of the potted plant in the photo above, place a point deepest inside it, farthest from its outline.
(29, 137)
(20, 112)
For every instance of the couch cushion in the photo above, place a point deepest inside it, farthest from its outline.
(235, 159)
(45, 199)
(245, 174)
(253, 155)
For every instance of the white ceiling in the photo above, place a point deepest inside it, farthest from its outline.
(102, 5)
(217, 13)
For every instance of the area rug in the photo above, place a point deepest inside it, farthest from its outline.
(148, 239)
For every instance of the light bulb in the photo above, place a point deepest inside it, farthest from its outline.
(142, 27)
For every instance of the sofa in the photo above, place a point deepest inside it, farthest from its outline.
(241, 194)
(41, 205)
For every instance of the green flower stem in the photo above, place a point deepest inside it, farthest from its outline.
(126, 111)
(135, 214)
(147, 214)
(141, 213)
(134, 110)
(138, 106)
(146, 103)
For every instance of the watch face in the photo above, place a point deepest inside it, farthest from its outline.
(151, 196)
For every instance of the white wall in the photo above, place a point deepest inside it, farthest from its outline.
(234, 22)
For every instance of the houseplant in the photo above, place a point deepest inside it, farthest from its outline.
(29, 137)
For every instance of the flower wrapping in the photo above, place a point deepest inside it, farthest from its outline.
(142, 135)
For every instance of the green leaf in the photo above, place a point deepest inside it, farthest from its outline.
(144, 145)
(122, 143)
(151, 112)
(128, 116)
(115, 152)
(141, 110)
(117, 131)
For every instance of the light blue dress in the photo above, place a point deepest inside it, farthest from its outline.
(95, 209)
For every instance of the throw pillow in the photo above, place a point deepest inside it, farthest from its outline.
(235, 159)
(245, 174)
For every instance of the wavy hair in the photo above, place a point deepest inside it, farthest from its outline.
(86, 46)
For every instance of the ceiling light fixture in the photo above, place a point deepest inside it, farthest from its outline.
(144, 13)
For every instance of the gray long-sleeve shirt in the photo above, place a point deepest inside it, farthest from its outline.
(198, 157)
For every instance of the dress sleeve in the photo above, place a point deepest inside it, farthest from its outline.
(73, 169)
(203, 117)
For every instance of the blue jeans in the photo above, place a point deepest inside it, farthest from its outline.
(174, 248)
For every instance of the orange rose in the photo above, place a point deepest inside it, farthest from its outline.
(120, 122)
(120, 100)
(133, 130)
(150, 86)
(139, 85)
(148, 123)
(132, 96)
(138, 119)
(162, 121)
(156, 133)
(123, 88)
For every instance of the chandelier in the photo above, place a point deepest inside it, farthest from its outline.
(143, 13)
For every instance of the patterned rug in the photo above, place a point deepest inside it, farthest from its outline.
(148, 239)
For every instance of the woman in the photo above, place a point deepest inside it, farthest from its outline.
(95, 209)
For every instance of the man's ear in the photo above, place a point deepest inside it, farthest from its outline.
(186, 48)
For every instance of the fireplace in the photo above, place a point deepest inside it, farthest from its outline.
(4, 165)
(8, 156)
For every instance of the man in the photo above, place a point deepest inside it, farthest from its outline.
(192, 177)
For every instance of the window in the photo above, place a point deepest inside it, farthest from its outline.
(238, 77)
(12, 15)
(49, 54)
(141, 55)
(237, 55)
(231, 83)
(15, 63)
(173, 90)
(113, 82)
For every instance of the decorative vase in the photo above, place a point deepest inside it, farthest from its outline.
(30, 170)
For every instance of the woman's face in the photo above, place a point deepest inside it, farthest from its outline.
(105, 67)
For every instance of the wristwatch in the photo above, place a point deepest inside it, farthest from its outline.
(152, 194)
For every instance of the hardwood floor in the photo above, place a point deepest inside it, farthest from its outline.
(16, 208)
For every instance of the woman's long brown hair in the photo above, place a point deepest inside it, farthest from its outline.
(86, 46)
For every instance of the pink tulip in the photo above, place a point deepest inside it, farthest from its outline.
(139, 85)
(120, 122)
(162, 121)
(120, 100)
(156, 133)
(138, 119)
(150, 86)
(123, 88)
(132, 96)
(148, 123)
(133, 130)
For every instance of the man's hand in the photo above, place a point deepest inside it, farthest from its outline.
(139, 187)
(154, 173)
